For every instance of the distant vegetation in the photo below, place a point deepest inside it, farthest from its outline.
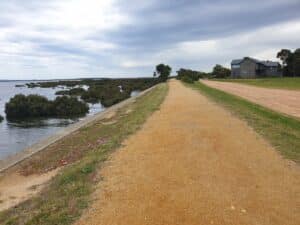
(73, 92)
(1, 118)
(189, 76)
(163, 72)
(32, 106)
(220, 72)
(290, 62)
(19, 85)
(105, 91)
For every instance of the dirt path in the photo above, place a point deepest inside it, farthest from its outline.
(284, 101)
(193, 163)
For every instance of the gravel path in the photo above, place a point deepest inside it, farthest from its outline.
(194, 163)
(284, 101)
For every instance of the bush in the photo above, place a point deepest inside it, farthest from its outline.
(221, 72)
(189, 76)
(72, 92)
(1, 118)
(187, 79)
(69, 106)
(32, 106)
(21, 106)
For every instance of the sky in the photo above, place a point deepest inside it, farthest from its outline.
(127, 38)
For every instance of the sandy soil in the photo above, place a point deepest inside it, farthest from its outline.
(194, 163)
(15, 188)
(284, 101)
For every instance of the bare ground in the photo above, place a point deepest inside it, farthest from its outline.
(15, 188)
(194, 163)
(284, 101)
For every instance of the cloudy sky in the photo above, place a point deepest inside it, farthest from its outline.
(119, 38)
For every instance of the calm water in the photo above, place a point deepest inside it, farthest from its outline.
(16, 136)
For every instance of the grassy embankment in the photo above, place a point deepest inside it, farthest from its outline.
(281, 131)
(69, 193)
(289, 83)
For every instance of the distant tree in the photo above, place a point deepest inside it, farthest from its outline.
(296, 62)
(189, 76)
(154, 74)
(290, 62)
(163, 71)
(220, 71)
(283, 55)
(1, 118)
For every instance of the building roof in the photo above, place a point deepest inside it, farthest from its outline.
(236, 61)
(265, 63)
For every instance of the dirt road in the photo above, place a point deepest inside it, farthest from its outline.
(193, 163)
(284, 101)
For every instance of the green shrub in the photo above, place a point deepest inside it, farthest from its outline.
(21, 106)
(33, 106)
(220, 71)
(1, 118)
(72, 92)
(69, 106)
(189, 76)
(187, 79)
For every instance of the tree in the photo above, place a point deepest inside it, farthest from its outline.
(189, 76)
(290, 62)
(1, 118)
(163, 71)
(283, 55)
(221, 72)
(296, 62)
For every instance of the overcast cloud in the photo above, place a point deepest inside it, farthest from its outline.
(117, 38)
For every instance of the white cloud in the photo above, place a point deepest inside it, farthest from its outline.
(67, 38)
(263, 43)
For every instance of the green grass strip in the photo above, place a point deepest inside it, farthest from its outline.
(281, 131)
(289, 83)
(69, 193)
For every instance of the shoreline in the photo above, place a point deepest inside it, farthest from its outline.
(26, 153)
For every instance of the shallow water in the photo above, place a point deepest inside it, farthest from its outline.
(15, 136)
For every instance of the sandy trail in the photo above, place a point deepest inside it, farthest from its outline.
(193, 163)
(284, 101)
